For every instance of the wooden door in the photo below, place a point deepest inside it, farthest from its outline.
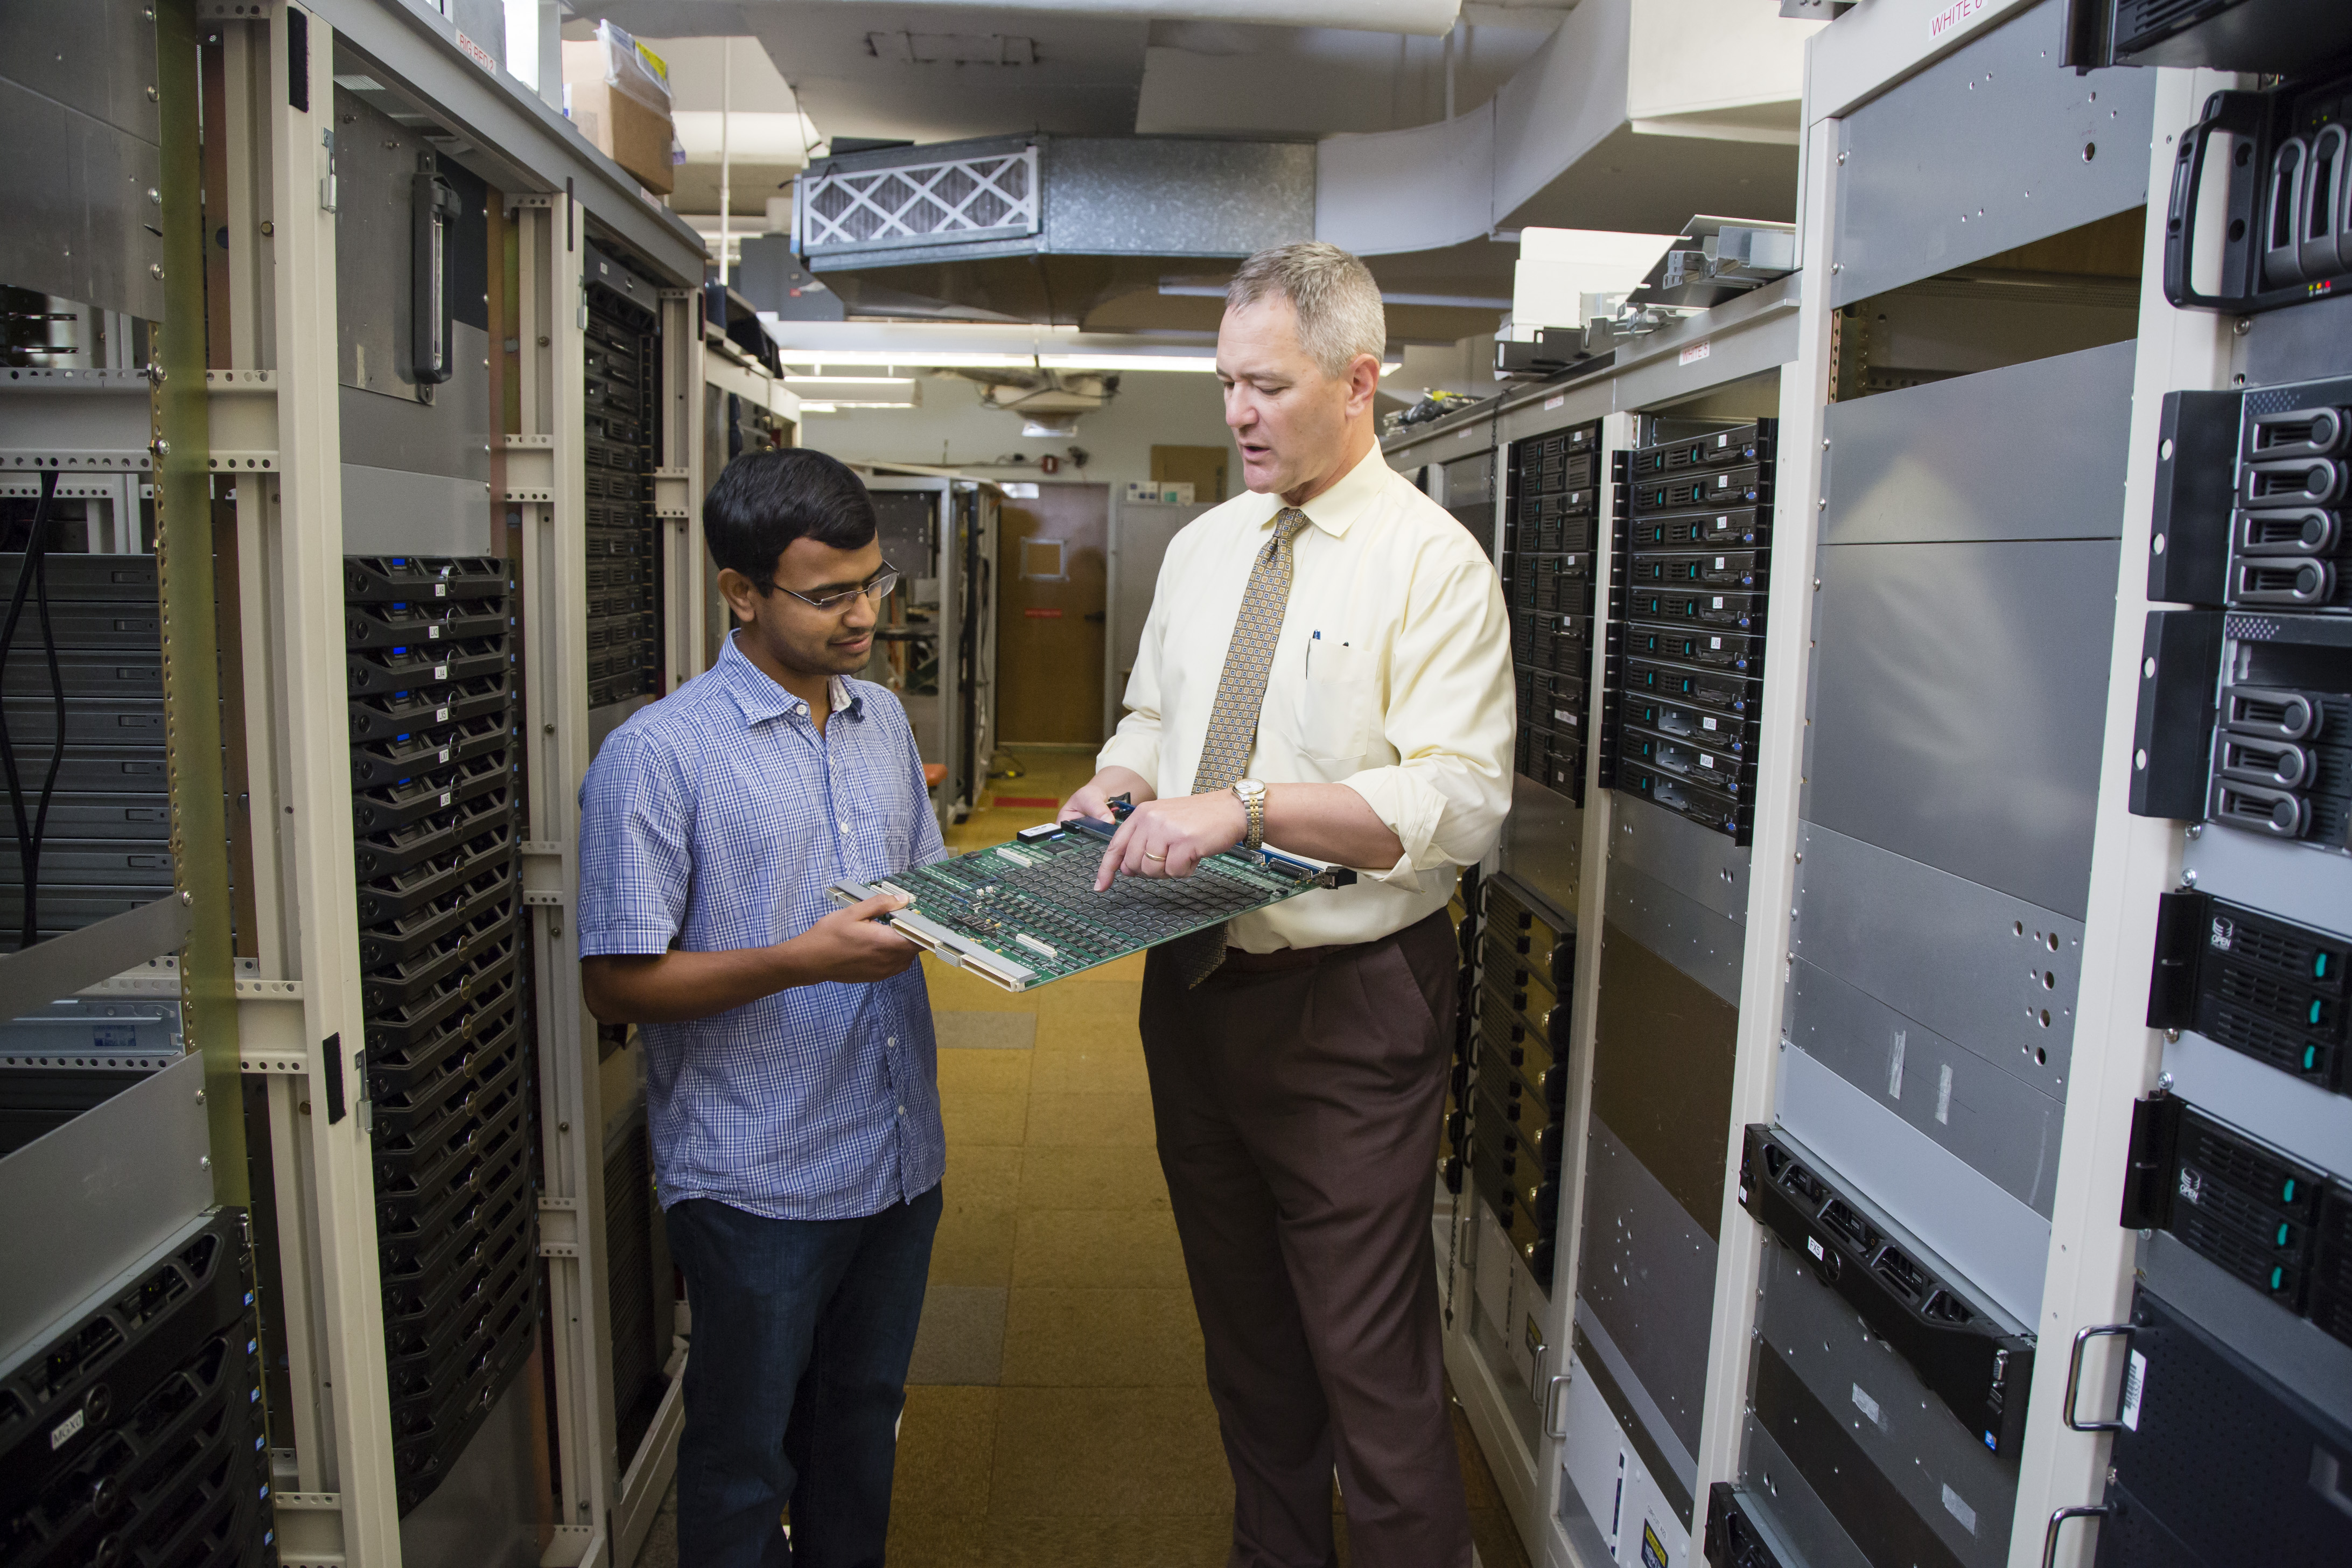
(1049, 638)
(1203, 467)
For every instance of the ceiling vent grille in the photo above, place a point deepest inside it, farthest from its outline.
(926, 200)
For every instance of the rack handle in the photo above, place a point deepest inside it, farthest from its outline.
(2050, 1535)
(2074, 1379)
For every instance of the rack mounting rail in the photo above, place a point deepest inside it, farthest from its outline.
(1025, 913)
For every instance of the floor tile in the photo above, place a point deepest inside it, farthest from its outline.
(990, 1030)
(984, 1117)
(1080, 1451)
(936, 1539)
(984, 1175)
(1101, 1338)
(1095, 1070)
(947, 1449)
(1117, 1541)
(1087, 1249)
(961, 1337)
(984, 1071)
(1096, 1179)
(1099, 1121)
(974, 1245)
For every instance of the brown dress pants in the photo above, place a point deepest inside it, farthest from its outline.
(1297, 1097)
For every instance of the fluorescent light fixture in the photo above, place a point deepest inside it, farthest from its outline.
(851, 380)
(907, 354)
(1197, 363)
(1174, 289)
(816, 407)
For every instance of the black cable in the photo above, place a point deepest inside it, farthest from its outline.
(29, 832)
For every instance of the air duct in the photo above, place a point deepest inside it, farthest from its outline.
(1428, 18)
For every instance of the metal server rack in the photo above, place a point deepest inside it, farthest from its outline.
(287, 302)
(130, 1379)
(1969, 1059)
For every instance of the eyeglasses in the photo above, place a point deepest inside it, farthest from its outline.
(877, 588)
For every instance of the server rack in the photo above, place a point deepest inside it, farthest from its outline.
(936, 646)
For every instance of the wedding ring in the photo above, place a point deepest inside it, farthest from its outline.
(1148, 855)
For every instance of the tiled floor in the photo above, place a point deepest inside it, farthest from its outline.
(1057, 1413)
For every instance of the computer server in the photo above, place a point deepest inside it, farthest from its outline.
(87, 652)
(132, 1433)
(1974, 1357)
(1693, 519)
(1453, 1151)
(2278, 1225)
(2285, 234)
(446, 986)
(2216, 1460)
(1518, 1073)
(1549, 532)
(623, 375)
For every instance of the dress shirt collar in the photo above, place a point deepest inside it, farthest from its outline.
(760, 698)
(1336, 508)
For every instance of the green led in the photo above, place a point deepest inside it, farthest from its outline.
(2310, 1058)
(2278, 1277)
(2319, 966)
(2288, 1196)
(2282, 1235)
(2315, 1012)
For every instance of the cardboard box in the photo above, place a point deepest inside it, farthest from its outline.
(622, 127)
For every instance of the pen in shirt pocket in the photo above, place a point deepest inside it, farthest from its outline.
(1311, 641)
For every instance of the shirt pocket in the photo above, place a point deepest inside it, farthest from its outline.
(1336, 703)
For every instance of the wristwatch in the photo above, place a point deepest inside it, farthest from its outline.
(1252, 794)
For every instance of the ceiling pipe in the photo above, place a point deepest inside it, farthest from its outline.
(1424, 18)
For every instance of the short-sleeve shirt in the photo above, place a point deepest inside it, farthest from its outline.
(717, 820)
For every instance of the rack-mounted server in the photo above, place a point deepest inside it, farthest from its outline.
(1549, 533)
(132, 1432)
(1964, 1348)
(2275, 1223)
(105, 847)
(1685, 636)
(622, 372)
(2267, 987)
(445, 985)
(1527, 968)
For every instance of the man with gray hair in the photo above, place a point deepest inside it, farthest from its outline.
(1327, 667)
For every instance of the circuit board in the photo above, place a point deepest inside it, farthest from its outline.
(1025, 913)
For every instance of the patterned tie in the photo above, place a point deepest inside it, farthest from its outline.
(1241, 696)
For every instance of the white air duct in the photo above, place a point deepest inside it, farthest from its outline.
(1428, 18)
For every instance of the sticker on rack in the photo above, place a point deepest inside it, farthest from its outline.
(2134, 1387)
(1653, 1551)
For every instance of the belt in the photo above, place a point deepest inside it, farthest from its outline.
(1287, 958)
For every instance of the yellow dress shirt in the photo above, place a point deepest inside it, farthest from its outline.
(1392, 676)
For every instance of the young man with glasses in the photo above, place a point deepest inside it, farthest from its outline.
(791, 1079)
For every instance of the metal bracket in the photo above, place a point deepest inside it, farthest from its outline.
(242, 409)
(542, 872)
(269, 1033)
(531, 468)
(669, 493)
(310, 1529)
(236, 11)
(559, 1228)
(74, 420)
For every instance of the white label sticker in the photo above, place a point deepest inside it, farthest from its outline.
(1867, 1405)
(1699, 350)
(1944, 1094)
(440, 672)
(1718, 602)
(1815, 1248)
(1894, 1065)
(1705, 760)
(1718, 562)
(446, 794)
(431, 633)
(1465, 434)
(1957, 1506)
(440, 590)
(1554, 400)
(1707, 723)
(1716, 643)
(2135, 1386)
(62, 1433)
(441, 715)
(1563, 715)
(445, 754)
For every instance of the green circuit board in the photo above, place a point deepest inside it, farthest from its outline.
(1026, 913)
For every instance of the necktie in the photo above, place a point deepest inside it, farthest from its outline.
(1241, 696)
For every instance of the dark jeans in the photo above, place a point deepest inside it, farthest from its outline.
(802, 1330)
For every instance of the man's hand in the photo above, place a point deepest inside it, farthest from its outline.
(854, 943)
(851, 945)
(1169, 837)
(1093, 798)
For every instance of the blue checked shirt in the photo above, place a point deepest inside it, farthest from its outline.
(716, 819)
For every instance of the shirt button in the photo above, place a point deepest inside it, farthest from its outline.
(902, 1111)
(893, 1041)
